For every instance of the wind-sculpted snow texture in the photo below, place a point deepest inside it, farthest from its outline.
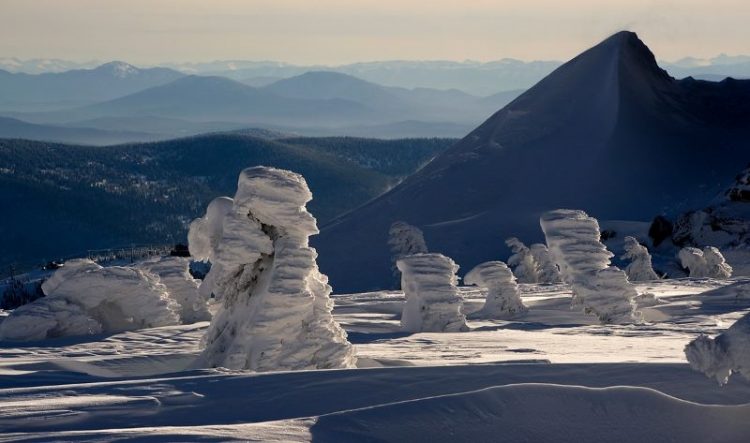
(173, 273)
(640, 268)
(84, 298)
(276, 311)
(432, 300)
(728, 353)
(602, 290)
(547, 270)
(503, 295)
(404, 239)
(522, 261)
(204, 236)
(704, 263)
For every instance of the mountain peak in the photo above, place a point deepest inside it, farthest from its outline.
(118, 69)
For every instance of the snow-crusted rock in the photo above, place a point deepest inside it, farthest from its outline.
(704, 263)
(404, 239)
(728, 353)
(601, 289)
(276, 308)
(522, 261)
(547, 270)
(503, 296)
(85, 298)
(640, 268)
(432, 300)
(174, 273)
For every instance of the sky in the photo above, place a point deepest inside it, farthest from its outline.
(344, 31)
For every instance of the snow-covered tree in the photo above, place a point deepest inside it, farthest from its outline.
(601, 289)
(432, 300)
(203, 239)
(174, 273)
(404, 239)
(547, 270)
(522, 261)
(276, 305)
(719, 357)
(84, 298)
(503, 296)
(640, 268)
(706, 263)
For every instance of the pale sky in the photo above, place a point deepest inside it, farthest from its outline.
(343, 31)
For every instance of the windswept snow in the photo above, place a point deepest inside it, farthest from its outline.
(522, 261)
(173, 273)
(639, 268)
(503, 295)
(728, 353)
(404, 239)
(704, 263)
(276, 308)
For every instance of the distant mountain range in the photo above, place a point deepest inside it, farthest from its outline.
(608, 132)
(60, 200)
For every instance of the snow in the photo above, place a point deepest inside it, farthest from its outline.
(547, 270)
(729, 352)
(522, 261)
(704, 263)
(432, 300)
(174, 273)
(640, 268)
(503, 295)
(584, 261)
(276, 305)
(84, 298)
(404, 239)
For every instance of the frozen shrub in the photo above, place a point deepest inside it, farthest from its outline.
(640, 268)
(276, 305)
(726, 354)
(601, 289)
(547, 270)
(503, 296)
(717, 266)
(432, 300)
(522, 261)
(404, 239)
(706, 263)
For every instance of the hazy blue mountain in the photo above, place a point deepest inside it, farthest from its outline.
(28, 92)
(608, 132)
(14, 128)
(42, 65)
(60, 200)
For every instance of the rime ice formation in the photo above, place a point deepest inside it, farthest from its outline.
(204, 236)
(173, 273)
(640, 268)
(728, 353)
(522, 261)
(432, 300)
(547, 270)
(706, 263)
(84, 298)
(602, 290)
(276, 309)
(503, 296)
(404, 239)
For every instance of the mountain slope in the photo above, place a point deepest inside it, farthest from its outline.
(608, 132)
(14, 128)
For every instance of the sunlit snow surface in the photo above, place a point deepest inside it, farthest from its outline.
(553, 374)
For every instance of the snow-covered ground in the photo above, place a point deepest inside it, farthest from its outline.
(553, 374)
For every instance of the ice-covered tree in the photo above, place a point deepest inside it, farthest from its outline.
(640, 268)
(547, 270)
(432, 300)
(404, 239)
(522, 261)
(728, 353)
(276, 305)
(704, 263)
(601, 289)
(203, 239)
(503, 296)
(174, 273)
(84, 298)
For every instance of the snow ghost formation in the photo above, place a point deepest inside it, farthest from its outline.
(547, 271)
(432, 300)
(84, 298)
(522, 261)
(404, 239)
(706, 263)
(728, 353)
(602, 290)
(174, 273)
(503, 296)
(640, 268)
(276, 305)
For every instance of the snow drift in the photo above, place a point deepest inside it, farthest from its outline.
(728, 353)
(276, 308)
(84, 298)
(584, 261)
(432, 300)
(503, 296)
(174, 273)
